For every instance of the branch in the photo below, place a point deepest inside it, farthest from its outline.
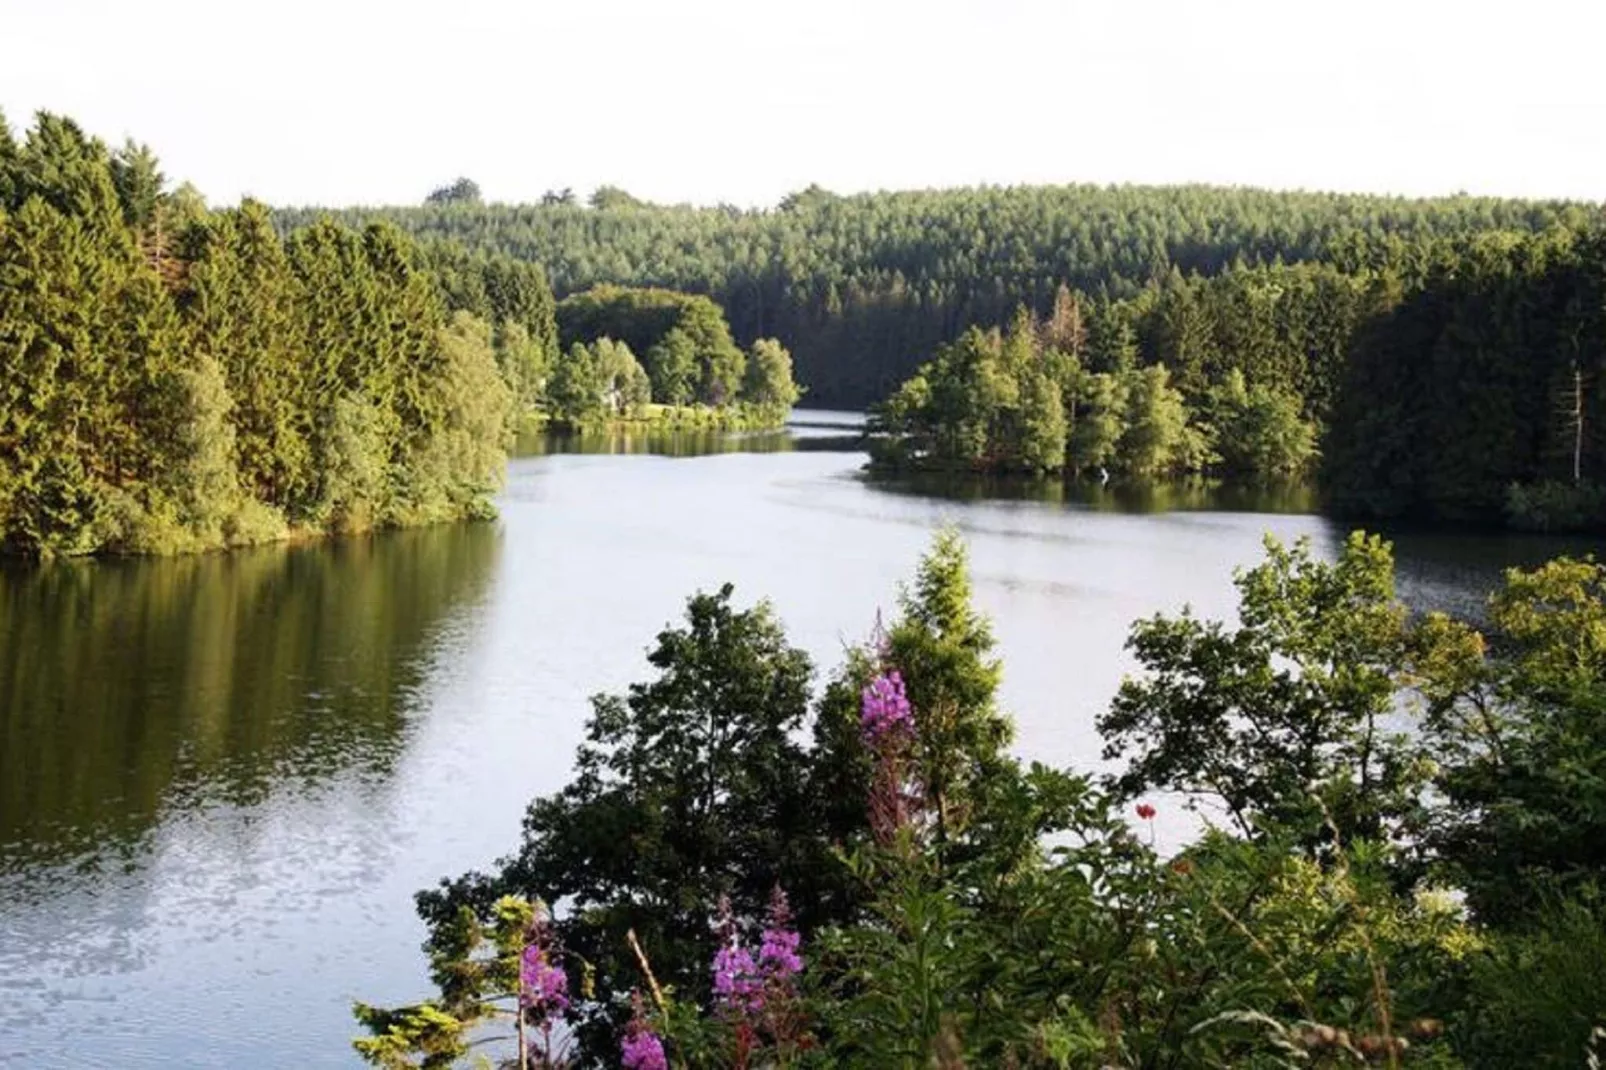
(646, 968)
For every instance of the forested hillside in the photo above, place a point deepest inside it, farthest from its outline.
(863, 288)
(175, 379)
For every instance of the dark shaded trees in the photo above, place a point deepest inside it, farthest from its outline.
(462, 191)
(861, 287)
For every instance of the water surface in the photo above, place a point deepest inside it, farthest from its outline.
(222, 778)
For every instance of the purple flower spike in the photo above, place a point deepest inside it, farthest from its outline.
(777, 955)
(737, 984)
(542, 986)
(885, 708)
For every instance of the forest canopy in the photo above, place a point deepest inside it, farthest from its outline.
(862, 288)
(1434, 358)
(688, 354)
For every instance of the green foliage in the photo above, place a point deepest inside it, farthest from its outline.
(672, 367)
(1010, 916)
(688, 788)
(515, 299)
(613, 199)
(139, 183)
(1260, 430)
(405, 1038)
(462, 191)
(575, 395)
(944, 647)
(861, 287)
(476, 967)
(1482, 377)
(1098, 955)
(1553, 506)
(768, 380)
(1538, 997)
(1004, 402)
(1498, 790)
(177, 380)
(1101, 419)
(1290, 707)
(625, 386)
(457, 463)
(1519, 729)
(1157, 440)
(642, 319)
(1443, 350)
(1043, 428)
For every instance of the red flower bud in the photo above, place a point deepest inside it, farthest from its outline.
(1145, 811)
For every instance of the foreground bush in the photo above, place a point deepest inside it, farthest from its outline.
(901, 892)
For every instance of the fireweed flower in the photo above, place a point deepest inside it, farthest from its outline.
(884, 708)
(778, 959)
(737, 983)
(641, 1049)
(886, 721)
(738, 987)
(744, 985)
(543, 986)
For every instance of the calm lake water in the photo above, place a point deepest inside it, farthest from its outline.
(222, 779)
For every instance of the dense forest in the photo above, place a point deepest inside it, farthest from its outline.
(863, 288)
(1456, 379)
(177, 379)
(1401, 864)
(1435, 359)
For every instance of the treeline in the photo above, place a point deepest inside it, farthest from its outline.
(863, 288)
(1478, 393)
(514, 298)
(612, 353)
(175, 379)
(1457, 379)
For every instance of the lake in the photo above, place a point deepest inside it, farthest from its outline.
(223, 778)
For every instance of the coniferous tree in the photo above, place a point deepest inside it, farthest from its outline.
(173, 379)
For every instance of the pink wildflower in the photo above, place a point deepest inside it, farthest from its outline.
(543, 987)
(884, 708)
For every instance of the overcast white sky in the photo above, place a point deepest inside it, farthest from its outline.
(334, 102)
